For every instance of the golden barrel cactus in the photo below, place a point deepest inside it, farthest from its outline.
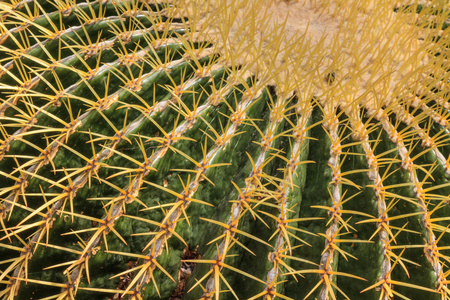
(224, 149)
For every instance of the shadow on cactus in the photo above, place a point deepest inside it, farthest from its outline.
(228, 149)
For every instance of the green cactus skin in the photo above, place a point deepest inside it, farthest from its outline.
(139, 161)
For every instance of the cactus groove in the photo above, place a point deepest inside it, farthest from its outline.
(191, 150)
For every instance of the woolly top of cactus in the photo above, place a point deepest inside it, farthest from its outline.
(372, 53)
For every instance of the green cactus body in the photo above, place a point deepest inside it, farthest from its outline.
(167, 149)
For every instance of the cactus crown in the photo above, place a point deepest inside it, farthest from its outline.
(167, 149)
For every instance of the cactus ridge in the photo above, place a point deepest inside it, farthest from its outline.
(181, 149)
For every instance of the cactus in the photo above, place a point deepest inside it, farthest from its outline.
(224, 149)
